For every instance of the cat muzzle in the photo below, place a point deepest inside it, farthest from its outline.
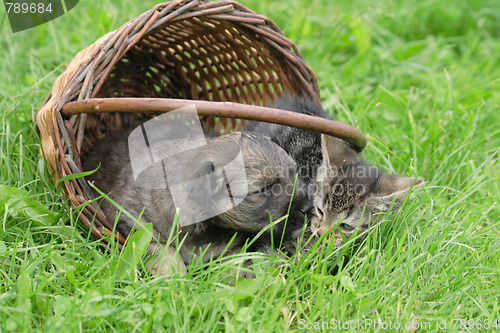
(305, 207)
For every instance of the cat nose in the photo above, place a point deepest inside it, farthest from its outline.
(303, 196)
(305, 206)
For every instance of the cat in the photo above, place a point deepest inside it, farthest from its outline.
(270, 178)
(349, 195)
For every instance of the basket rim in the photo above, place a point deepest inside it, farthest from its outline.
(220, 109)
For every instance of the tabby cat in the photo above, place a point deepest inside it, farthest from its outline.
(349, 194)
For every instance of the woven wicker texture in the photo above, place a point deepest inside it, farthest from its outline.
(212, 51)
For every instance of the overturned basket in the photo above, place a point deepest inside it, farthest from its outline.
(220, 56)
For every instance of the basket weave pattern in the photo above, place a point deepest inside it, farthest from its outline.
(183, 49)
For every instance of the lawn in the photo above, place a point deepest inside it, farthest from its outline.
(420, 78)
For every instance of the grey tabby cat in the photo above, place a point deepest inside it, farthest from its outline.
(267, 167)
(349, 194)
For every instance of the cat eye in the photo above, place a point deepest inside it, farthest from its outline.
(267, 189)
(346, 227)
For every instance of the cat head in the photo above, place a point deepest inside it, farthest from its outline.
(350, 195)
(267, 190)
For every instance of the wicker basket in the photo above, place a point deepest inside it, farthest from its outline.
(178, 53)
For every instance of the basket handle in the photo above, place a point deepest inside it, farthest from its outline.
(220, 109)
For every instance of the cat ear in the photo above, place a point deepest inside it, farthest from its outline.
(396, 186)
(207, 185)
(337, 153)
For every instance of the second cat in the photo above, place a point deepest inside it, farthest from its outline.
(349, 194)
(269, 188)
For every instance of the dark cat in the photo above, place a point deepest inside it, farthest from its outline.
(349, 194)
(303, 146)
(267, 167)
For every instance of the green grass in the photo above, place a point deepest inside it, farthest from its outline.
(421, 79)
